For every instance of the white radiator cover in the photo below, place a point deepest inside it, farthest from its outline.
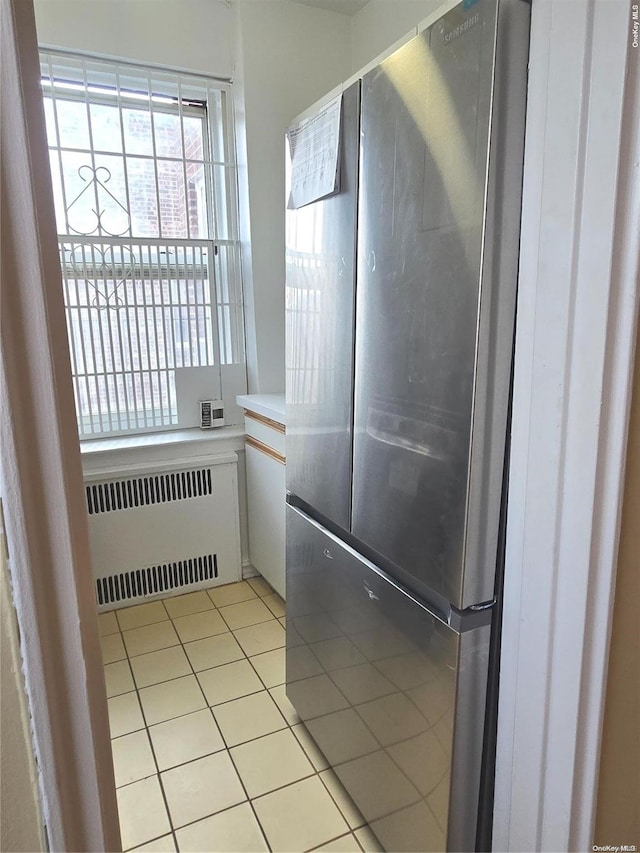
(162, 530)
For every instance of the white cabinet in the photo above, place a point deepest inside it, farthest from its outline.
(265, 459)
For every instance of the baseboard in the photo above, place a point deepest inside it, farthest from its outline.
(248, 571)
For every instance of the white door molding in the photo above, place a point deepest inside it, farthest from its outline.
(575, 337)
(41, 479)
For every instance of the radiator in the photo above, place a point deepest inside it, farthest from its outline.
(156, 533)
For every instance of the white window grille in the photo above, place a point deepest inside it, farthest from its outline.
(144, 179)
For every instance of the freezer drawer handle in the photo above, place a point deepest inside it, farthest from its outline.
(371, 594)
(486, 606)
(328, 554)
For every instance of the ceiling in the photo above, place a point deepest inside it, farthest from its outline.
(345, 7)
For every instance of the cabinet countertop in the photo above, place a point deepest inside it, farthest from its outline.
(268, 405)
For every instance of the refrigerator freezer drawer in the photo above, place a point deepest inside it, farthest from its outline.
(391, 694)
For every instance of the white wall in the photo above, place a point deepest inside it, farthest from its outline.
(194, 35)
(290, 56)
(381, 23)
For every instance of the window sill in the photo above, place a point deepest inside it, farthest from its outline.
(105, 455)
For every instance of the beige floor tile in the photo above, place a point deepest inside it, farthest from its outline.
(125, 715)
(275, 604)
(166, 844)
(235, 830)
(368, 841)
(132, 758)
(112, 648)
(347, 807)
(107, 623)
(260, 586)
(248, 718)
(185, 738)
(185, 605)
(141, 614)
(245, 613)
(213, 651)
(231, 593)
(300, 816)
(150, 638)
(230, 681)
(270, 666)
(199, 625)
(142, 812)
(283, 621)
(163, 665)
(344, 844)
(286, 708)
(310, 747)
(264, 637)
(118, 678)
(271, 762)
(201, 788)
(171, 699)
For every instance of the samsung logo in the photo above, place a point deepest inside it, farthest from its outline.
(457, 31)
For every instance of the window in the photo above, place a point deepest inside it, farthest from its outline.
(144, 184)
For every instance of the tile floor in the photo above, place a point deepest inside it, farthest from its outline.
(209, 755)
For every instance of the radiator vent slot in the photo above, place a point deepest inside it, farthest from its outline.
(156, 579)
(146, 491)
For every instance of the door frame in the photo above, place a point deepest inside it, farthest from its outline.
(41, 486)
(575, 342)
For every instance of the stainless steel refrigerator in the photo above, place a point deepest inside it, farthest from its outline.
(400, 302)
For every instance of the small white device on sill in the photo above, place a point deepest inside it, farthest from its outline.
(211, 414)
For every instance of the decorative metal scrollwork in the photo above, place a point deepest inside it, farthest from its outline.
(109, 264)
(96, 182)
